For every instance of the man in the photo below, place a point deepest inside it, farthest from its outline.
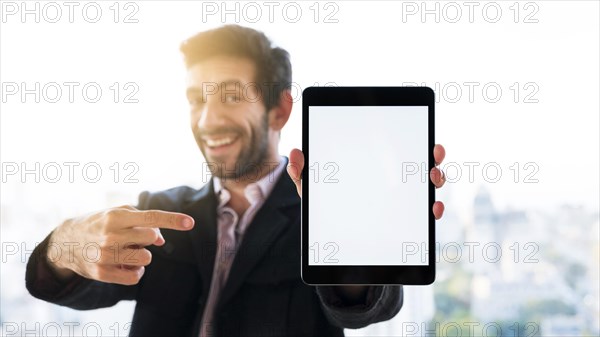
(223, 260)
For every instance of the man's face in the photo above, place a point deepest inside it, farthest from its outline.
(228, 118)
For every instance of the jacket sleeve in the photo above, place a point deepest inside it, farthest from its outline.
(78, 292)
(382, 303)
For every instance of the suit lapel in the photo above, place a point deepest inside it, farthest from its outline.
(266, 226)
(203, 208)
(264, 229)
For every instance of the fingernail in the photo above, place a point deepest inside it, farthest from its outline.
(187, 223)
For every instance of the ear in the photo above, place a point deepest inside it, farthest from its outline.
(280, 113)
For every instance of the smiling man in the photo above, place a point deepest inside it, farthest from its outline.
(223, 260)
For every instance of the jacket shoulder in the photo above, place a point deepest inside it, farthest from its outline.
(171, 199)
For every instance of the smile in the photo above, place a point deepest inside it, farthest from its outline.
(219, 142)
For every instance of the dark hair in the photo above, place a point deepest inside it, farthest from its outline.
(273, 67)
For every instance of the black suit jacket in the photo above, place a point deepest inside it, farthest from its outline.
(264, 294)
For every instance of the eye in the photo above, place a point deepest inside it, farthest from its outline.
(195, 101)
(232, 99)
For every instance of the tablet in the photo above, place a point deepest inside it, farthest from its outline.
(367, 197)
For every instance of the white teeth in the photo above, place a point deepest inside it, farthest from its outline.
(218, 142)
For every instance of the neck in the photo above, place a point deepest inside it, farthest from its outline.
(257, 173)
(236, 186)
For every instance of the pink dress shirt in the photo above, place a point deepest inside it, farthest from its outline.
(231, 228)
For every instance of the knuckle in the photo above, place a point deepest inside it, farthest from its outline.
(113, 214)
(146, 257)
(127, 207)
(109, 214)
(104, 228)
(150, 217)
(108, 220)
(171, 218)
(136, 275)
(154, 235)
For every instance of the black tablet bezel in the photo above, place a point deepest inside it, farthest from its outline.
(371, 275)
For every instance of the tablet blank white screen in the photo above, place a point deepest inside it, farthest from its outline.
(368, 177)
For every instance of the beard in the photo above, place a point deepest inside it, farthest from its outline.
(252, 157)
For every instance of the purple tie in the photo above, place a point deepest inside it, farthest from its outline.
(225, 254)
(228, 239)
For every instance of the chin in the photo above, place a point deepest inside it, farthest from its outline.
(222, 166)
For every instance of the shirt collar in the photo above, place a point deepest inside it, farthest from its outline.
(265, 184)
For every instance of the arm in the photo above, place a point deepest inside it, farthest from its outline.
(59, 271)
(347, 310)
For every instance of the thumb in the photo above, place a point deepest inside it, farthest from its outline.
(295, 167)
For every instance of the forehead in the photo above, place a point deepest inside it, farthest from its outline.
(220, 69)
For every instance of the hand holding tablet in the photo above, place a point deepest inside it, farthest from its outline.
(367, 197)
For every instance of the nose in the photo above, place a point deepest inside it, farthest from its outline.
(211, 116)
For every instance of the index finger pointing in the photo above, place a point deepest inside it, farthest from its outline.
(161, 219)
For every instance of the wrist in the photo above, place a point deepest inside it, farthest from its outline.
(53, 260)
